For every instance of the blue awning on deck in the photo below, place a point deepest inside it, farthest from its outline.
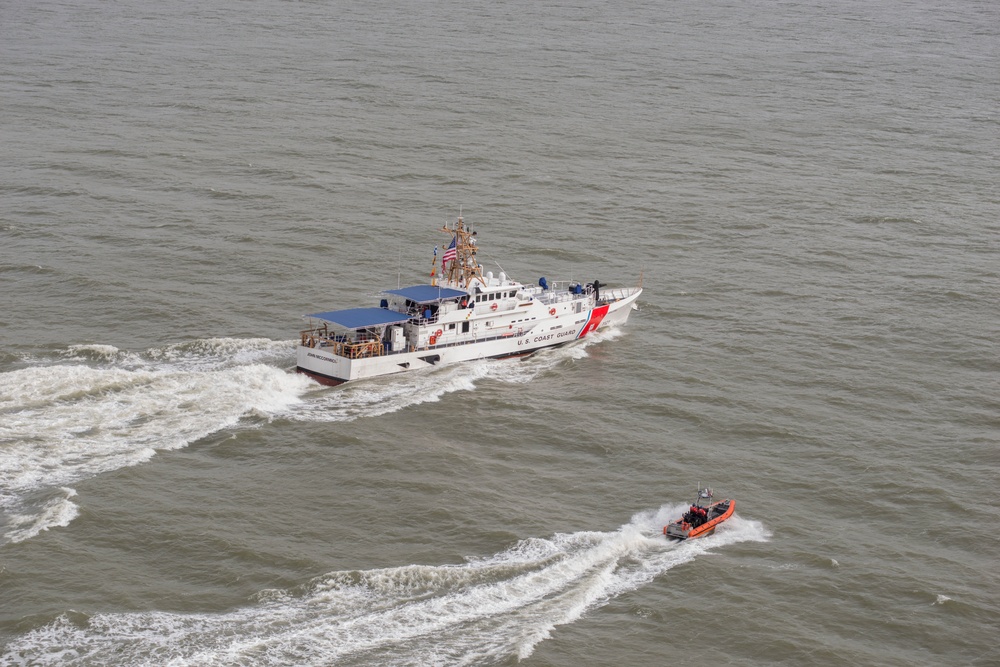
(427, 293)
(360, 318)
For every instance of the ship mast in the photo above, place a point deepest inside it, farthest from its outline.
(461, 271)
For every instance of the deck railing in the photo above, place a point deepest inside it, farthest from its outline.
(616, 294)
(341, 346)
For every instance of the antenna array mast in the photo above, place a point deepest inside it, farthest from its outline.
(461, 271)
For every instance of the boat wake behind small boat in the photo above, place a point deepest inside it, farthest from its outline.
(702, 518)
(466, 314)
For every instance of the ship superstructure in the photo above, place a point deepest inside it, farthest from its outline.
(463, 315)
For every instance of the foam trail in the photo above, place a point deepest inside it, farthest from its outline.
(101, 409)
(91, 409)
(486, 611)
(379, 396)
(57, 511)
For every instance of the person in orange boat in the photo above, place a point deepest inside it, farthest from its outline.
(696, 516)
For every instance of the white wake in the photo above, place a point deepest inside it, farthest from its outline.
(94, 408)
(482, 612)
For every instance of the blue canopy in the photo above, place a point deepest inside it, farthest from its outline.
(359, 318)
(427, 293)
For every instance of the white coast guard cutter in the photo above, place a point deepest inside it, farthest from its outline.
(468, 315)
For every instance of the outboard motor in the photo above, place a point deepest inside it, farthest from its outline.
(543, 283)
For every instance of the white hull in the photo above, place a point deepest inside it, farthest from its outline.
(517, 328)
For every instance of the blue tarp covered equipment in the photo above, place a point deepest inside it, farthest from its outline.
(427, 293)
(360, 318)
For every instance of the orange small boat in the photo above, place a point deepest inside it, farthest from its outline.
(702, 518)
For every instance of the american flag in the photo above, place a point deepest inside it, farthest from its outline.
(450, 253)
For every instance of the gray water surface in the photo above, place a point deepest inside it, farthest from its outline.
(808, 192)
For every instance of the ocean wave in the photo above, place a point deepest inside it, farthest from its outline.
(58, 510)
(91, 409)
(102, 409)
(486, 611)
